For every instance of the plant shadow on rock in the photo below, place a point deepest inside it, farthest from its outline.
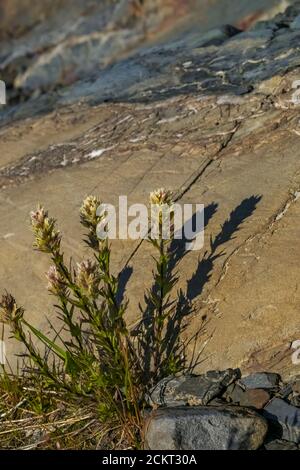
(123, 279)
(172, 350)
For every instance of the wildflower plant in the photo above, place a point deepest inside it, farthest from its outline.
(93, 356)
(158, 298)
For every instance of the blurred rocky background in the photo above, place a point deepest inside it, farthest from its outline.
(49, 44)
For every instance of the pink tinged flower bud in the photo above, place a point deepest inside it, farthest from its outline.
(38, 217)
(56, 283)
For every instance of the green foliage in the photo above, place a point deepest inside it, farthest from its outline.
(93, 357)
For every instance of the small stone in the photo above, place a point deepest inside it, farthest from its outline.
(285, 418)
(279, 444)
(266, 380)
(205, 428)
(191, 390)
(256, 398)
(234, 393)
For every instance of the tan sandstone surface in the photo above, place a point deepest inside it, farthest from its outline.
(227, 138)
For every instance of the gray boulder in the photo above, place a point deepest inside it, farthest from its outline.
(205, 428)
(285, 418)
(192, 390)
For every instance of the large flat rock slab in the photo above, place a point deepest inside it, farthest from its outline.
(214, 120)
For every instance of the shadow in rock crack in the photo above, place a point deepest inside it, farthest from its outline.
(172, 351)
